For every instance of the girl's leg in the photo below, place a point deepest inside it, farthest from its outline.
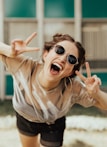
(29, 141)
(28, 132)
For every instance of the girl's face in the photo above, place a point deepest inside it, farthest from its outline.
(58, 62)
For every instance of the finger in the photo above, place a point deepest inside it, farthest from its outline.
(32, 49)
(82, 77)
(95, 86)
(97, 79)
(28, 49)
(88, 69)
(30, 38)
(13, 46)
(17, 40)
(16, 44)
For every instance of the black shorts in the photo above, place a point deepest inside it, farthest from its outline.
(51, 135)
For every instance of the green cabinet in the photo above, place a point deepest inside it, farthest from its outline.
(8, 85)
(20, 8)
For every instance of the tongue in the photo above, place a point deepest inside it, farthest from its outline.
(54, 72)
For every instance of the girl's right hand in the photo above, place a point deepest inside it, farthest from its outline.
(20, 46)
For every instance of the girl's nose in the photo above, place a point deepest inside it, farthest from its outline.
(63, 58)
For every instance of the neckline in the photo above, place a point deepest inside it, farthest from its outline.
(47, 91)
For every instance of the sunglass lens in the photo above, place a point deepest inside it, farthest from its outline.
(72, 59)
(59, 50)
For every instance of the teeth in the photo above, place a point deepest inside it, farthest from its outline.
(58, 65)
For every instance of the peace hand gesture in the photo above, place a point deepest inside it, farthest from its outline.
(20, 46)
(91, 82)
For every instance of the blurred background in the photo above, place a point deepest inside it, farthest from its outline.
(85, 20)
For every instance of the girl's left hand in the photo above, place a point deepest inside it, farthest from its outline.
(92, 83)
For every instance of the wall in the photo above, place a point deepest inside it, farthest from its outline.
(20, 20)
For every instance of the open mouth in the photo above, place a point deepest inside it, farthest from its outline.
(55, 68)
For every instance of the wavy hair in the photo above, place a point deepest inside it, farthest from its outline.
(61, 37)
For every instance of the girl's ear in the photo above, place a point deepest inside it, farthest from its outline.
(45, 54)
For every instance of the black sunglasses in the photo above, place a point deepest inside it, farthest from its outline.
(70, 58)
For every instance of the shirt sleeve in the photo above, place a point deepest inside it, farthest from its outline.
(82, 96)
(85, 99)
(13, 64)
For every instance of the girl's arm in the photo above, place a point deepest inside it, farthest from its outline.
(101, 98)
(17, 47)
(5, 49)
(92, 84)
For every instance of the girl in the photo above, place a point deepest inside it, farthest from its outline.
(45, 90)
